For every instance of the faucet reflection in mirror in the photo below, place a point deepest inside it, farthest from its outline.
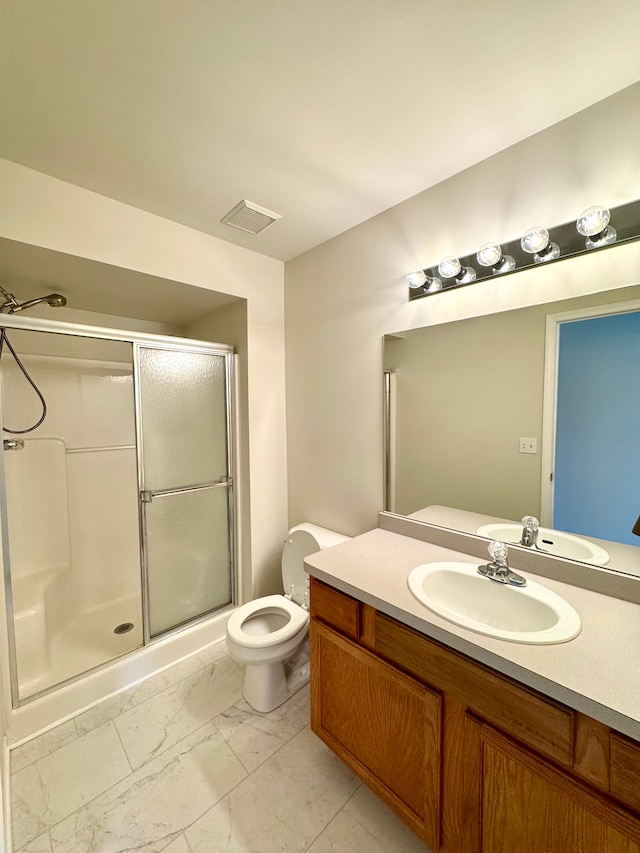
(590, 232)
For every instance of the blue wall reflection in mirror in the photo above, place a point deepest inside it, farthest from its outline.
(598, 407)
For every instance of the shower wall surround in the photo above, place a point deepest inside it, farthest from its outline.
(72, 515)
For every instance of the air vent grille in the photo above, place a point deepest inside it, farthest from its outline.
(250, 217)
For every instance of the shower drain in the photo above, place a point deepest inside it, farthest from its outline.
(124, 628)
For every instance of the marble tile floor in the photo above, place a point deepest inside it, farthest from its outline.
(182, 764)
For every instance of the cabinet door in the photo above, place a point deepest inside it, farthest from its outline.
(529, 806)
(384, 725)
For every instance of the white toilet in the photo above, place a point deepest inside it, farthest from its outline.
(270, 635)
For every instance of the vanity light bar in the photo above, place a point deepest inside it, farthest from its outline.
(596, 228)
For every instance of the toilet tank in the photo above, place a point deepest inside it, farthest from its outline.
(302, 540)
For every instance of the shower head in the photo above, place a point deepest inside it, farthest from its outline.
(55, 300)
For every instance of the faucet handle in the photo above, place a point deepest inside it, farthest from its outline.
(498, 552)
(531, 521)
(498, 570)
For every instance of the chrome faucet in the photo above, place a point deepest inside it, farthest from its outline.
(530, 527)
(498, 569)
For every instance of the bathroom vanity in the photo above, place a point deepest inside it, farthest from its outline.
(476, 743)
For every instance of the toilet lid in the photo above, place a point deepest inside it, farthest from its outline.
(298, 545)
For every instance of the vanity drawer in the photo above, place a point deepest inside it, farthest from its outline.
(625, 770)
(536, 721)
(334, 608)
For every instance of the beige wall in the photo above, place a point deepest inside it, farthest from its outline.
(344, 295)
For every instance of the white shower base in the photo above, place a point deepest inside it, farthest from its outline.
(49, 710)
(87, 641)
(54, 642)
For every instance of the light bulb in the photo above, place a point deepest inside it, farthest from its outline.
(416, 279)
(419, 279)
(593, 224)
(450, 267)
(490, 255)
(536, 242)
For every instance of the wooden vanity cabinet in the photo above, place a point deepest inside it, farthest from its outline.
(472, 761)
(385, 725)
(526, 804)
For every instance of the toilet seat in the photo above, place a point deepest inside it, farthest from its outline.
(298, 620)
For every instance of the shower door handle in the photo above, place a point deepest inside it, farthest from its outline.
(146, 496)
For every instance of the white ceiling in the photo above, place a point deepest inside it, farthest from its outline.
(325, 111)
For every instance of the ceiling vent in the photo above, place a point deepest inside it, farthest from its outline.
(250, 217)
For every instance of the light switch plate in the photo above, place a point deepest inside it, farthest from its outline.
(528, 445)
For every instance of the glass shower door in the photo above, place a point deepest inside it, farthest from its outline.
(186, 490)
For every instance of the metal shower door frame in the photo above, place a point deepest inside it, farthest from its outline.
(146, 496)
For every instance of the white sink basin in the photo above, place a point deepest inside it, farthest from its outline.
(552, 541)
(530, 614)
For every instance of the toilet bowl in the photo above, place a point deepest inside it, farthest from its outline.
(269, 636)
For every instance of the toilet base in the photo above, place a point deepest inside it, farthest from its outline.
(266, 686)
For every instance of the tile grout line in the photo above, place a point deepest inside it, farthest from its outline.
(186, 841)
(35, 760)
(171, 746)
(342, 807)
(244, 779)
(93, 799)
(124, 749)
(181, 835)
(47, 832)
(275, 752)
(137, 686)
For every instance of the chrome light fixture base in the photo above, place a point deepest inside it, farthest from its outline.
(597, 228)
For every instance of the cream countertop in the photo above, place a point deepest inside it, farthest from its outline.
(597, 673)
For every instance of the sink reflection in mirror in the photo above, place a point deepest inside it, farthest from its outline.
(625, 558)
(458, 408)
(554, 542)
(532, 614)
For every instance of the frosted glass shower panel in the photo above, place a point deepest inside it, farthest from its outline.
(188, 556)
(186, 487)
(184, 423)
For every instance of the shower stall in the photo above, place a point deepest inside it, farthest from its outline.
(116, 493)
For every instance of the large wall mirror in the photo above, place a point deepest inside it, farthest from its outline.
(528, 412)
